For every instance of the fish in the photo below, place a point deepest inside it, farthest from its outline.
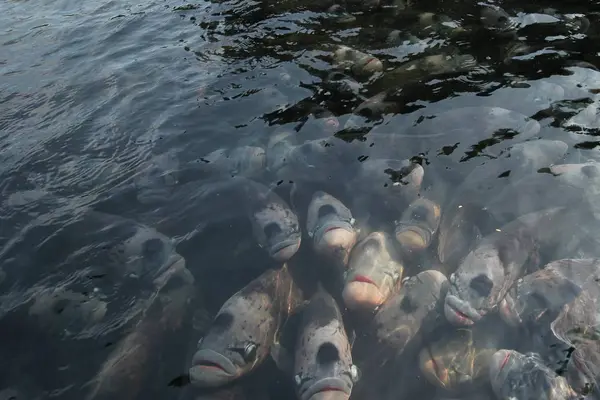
(514, 375)
(497, 21)
(359, 63)
(374, 273)
(243, 160)
(130, 363)
(556, 308)
(323, 367)
(459, 360)
(241, 334)
(416, 229)
(484, 277)
(331, 226)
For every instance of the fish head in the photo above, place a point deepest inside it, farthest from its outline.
(401, 317)
(149, 253)
(496, 20)
(154, 179)
(541, 295)
(375, 271)
(476, 287)
(524, 376)
(331, 226)
(418, 225)
(326, 120)
(247, 160)
(277, 229)
(323, 368)
(455, 361)
(237, 341)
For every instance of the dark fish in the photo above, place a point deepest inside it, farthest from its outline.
(331, 226)
(244, 329)
(459, 361)
(375, 272)
(323, 368)
(484, 277)
(125, 370)
(358, 62)
(525, 377)
(557, 308)
(419, 223)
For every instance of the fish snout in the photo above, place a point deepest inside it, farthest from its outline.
(458, 312)
(362, 293)
(500, 365)
(333, 239)
(331, 388)
(284, 250)
(212, 369)
(413, 238)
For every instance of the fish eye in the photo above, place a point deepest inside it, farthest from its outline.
(271, 229)
(250, 352)
(326, 210)
(482, 285)
(354, 373)
(327, 354)
(297, 379)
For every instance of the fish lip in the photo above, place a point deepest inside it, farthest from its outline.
(321, 229)
(420, 230)
(458, 312)
(500, 360)
(362, 279)
(206, 358)
(277, 248)
(325, 384)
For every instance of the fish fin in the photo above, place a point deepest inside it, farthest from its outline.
(283, 358)
(508, 313)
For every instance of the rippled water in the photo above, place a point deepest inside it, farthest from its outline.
(92, 92)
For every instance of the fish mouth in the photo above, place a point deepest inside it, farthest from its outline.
(284, 250)
(413, 237)
(326, 385)
(458, 312)
(325, 231)
(361, 292)
(211, 369)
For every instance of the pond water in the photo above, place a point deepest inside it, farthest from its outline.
(157, 157)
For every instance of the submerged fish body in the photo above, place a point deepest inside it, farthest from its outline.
(244, 329)
(375, 272)
(525, 376)
(557, 308)
(331, 226)
(486, 274)
(323, 368)
(359, 63)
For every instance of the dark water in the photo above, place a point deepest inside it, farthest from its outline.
(93, 91)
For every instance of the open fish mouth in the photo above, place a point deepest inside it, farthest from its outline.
(413, 237)
(210, 368)
(284, 250)
(459, 313)
(326, 385)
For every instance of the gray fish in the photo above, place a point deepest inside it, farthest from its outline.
(412, 311)
(497, 21)
(391, 184)
(557, 306)
(416, 229)
(486, 274)
(358, 62)
(375, 272)
(126, 368)
(525, 377)
(244, 160)
(459, 360)
(331, 226)
(473, 208)
(323, 368)
(342, 85)
(246, 326)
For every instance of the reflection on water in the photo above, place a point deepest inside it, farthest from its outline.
(156, 158)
